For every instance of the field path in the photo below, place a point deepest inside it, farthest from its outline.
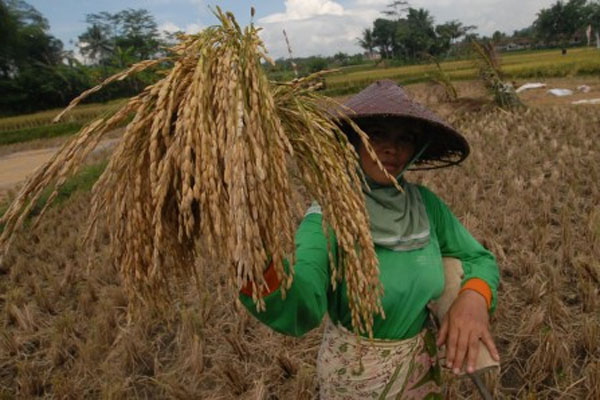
(17, 167)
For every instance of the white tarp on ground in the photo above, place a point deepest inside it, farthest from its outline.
(586, 101)
(527, 86)
(561, 92)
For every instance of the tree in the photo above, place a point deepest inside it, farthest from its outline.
(449, 32)
(9, 27)
(24, 39)
(560, 22)
(454, 30)
(138, 30)
(340, 58)
(316, 64)
(384, 36)
(396, 9)
(32, 73)
(416, 35)
(122, 58)
(410, 33)
(127, 29)
(498, 36)
(96, 44)
(367, 41)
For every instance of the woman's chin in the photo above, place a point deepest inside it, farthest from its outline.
(394, 171)
(384, 180)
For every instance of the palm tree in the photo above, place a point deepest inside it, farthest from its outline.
(123, 57)
(95, 44)
(396, 8)
(367, 41)
(454, 30)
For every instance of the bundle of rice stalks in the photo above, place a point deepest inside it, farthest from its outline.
(487, 62)
(439, 77)
(208, 158)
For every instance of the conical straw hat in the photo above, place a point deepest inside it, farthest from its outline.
(384, 99)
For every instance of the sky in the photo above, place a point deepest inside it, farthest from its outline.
(314, 27)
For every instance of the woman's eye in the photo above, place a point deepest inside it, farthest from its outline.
(376, 136)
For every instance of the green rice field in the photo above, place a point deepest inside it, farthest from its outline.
(526, 64)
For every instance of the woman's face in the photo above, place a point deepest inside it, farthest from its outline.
(393, 144)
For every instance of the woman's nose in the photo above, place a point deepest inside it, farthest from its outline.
(392, 147)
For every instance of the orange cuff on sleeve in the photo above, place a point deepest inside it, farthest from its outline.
(481, 287)
(271, 278)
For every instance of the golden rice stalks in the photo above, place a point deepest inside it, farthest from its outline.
(487, 62)
(208, 156)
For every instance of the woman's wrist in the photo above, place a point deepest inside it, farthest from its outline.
(479, 286)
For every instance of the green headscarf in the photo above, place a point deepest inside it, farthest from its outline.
(399, 220)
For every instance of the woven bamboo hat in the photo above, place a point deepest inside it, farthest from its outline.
(385, 100)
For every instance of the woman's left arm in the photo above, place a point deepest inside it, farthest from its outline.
(467, 321)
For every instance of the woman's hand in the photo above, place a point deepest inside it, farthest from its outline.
(464, 325)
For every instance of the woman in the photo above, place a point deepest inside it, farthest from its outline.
(411, 231)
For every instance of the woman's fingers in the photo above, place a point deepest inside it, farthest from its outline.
(488, 340)
(461, 350)
(473, 352)
(443, 332)
(451, 345)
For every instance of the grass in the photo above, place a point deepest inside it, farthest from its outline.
(25, 128)
(39, 132)
(80, 182)
(81, 114)
(534, 64)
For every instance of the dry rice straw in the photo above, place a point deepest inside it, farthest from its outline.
(209, 156)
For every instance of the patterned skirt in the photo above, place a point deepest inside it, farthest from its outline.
(377, 369)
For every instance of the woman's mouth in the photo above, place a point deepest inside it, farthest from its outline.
(390, 166)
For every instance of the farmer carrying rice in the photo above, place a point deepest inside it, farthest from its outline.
(412, 230)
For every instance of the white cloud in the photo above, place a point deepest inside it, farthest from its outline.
(304, 9)
(193, 28)
(315, 27)
(372, 3)
(80, 57)
(171, 27)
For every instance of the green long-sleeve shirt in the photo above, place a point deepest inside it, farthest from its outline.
(410, 278)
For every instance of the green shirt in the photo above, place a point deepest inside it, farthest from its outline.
(410, 278)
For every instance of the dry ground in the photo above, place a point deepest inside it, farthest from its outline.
(529, 191)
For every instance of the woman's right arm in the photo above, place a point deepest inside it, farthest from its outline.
(305, 302)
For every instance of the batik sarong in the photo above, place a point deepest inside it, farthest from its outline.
(377, 369)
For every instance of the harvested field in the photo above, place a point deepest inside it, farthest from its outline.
(529, 191)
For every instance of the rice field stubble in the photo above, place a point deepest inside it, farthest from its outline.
(529, 191)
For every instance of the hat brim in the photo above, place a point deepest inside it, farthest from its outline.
(446, 146)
